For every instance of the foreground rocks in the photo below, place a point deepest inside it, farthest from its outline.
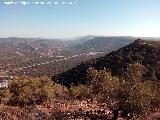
(59, 110)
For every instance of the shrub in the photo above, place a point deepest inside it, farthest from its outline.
(137, 94)
(80, 92)
(133, 73)
(139, 98)
(103, 83)
(26, 91)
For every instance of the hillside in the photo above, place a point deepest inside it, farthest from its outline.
(141, 51)
(103, 44)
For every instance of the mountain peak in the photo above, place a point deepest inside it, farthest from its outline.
(151, 43)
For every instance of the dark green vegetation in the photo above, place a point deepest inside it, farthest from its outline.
(24, 91)
(141, 51)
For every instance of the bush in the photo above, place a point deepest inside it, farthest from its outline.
(80, 92)
(138, 95)
(26, 91)
(103, 84)
(139, 98)
(133, 73)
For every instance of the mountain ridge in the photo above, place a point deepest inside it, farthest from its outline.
(141, 51)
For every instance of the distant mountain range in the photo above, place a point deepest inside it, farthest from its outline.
(9, 46)
(85, 43)
(34, 42)
(101, 44)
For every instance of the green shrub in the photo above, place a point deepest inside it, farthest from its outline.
(103, 84)
(80, 92)
(26, 91)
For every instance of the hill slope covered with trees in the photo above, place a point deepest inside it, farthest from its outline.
(141, 51)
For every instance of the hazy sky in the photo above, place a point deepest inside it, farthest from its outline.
(86, 17)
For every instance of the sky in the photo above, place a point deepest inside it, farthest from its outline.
(139, 18)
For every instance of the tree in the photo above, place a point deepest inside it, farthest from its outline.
(80, 92)
(26, 91)
(139, 98)
(134, 72)
(137, 95)
(103, 83)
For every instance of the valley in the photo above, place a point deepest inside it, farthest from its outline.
(31, 56)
